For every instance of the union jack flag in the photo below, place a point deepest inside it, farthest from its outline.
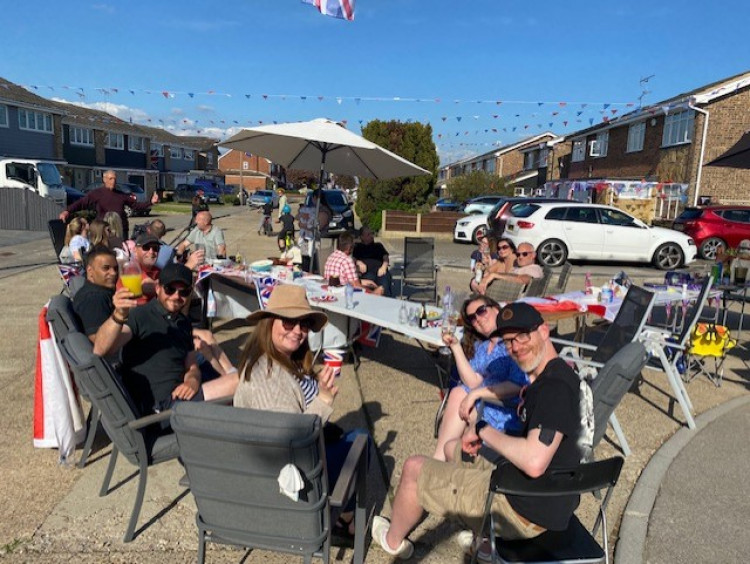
(370, 335)
(203, 271)
(342, 9)
(68, 271)
(264, 286)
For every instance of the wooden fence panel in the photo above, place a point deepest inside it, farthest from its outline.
(26, 210)
(440, 222)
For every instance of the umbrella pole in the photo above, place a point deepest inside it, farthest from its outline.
(314, 254)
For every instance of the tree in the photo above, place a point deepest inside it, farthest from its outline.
(300, 177)
(477, 183)
(412, 141)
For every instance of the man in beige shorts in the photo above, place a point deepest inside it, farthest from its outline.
(551, 416)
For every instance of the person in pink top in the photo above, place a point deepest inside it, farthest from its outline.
(341, 265)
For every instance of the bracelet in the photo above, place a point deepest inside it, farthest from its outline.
(118, 321)
(480, 424)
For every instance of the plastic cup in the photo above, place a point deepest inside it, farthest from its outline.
(334, 358)
(134, 283)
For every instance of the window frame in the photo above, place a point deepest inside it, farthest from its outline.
(81, 136)
(579, 151)
(678, 128)
(4, 122)
(44, 118)
(186, 152)
(602, 144)
(636, 137)
(175, 152)
(159, 148)
(132, 147)
(117, 146)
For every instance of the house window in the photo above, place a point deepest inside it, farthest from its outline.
(81, 136)
(602, 144)
(491, 166)
(114, 141)
(136, 143)
(678, 128)
(34, 121)
(159, 148)
(3, 115)
(188, 154)
(579, 150)
(210, 158)
(636, 134)
(175, 152)
(528, 160)
(543, 158)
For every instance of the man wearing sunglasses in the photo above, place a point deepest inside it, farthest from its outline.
(159, 363)
(525, 270)
(550, 437)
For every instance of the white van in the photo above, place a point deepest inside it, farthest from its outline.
(43, 177)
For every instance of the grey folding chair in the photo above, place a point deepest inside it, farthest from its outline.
(56, 229)
(64, 321)
(139, 439)
(419, 270)
(538, 286)
(233, 458)
(576, 544)
(504, 291)
(626, 327)
(668, 349)
(562, 279)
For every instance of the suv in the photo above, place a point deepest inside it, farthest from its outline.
(186, 193)
(482, 204)
(562, 230)
(504, 209)
(715, 227)
(343, 216)
(258, 198)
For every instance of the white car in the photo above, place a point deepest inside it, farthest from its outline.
(467, 228)
(482, 204)
(572, 230)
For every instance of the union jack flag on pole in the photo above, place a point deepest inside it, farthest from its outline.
(342, 9)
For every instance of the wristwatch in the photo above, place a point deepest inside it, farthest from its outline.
(479, 425)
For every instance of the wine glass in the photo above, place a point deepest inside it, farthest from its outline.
(448, 327)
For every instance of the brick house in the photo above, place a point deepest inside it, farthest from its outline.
(507, 162)
(670, 142)
(248, 171)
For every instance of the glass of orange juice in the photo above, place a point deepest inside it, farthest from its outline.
(131, 278)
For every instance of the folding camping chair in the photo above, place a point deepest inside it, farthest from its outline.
(419, 270)
(709, 343)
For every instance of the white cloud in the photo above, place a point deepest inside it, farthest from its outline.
(119, 110)
(106, 8)
(205, 108)
(177, 112)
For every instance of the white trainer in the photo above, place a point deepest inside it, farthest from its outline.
(380, 526)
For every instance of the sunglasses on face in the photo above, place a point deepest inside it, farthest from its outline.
(289, 324)
(153, 247)
(524, 253)
(184, 292)
(503, 247)
(481, 311)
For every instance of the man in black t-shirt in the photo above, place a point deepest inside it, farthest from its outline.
(550, 412)
(93, 302)
(372, 260)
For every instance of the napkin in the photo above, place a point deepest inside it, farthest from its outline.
(290, 482)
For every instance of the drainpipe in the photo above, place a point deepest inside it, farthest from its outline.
(703, 150)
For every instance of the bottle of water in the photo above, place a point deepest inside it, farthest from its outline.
(349, 295)
(403, 314)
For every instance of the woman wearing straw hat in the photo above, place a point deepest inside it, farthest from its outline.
(276, 369)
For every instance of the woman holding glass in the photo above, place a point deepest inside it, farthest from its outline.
(486, 372)
(276, 369)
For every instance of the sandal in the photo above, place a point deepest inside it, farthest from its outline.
(340, 531)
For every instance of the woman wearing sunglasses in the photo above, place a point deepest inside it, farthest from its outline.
(503, 262)
(485, 370)
(276, 370)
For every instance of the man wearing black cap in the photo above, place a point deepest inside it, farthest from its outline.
(550, 411)
(159, 363)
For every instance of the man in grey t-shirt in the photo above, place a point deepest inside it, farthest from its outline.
(206, 234)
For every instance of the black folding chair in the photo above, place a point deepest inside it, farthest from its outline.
(419, 269)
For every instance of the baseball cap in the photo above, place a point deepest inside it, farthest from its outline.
(145, 239)
(518, 316)
(176, 272)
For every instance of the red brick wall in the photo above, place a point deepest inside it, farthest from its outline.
(232, 162)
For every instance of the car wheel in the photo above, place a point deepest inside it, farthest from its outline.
(128, 211)
(668, 256)
(710, 247)
(552, 253)
(479, 229)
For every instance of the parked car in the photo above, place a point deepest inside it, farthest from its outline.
(504, 209)
(186, 193)
(343, 216)
(448, 204)
(482, 204)
(72, 195)
(125, 188)
(572, 230)
(258, 198)
(468, 228)
(715, 227)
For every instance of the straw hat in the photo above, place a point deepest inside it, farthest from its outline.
(289, 301)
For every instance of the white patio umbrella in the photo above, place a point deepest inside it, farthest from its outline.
(325, 144)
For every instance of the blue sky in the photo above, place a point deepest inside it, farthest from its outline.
(467, 55)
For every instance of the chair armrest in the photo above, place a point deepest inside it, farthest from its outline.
(352, 464)
(164, 415)
(572, 344)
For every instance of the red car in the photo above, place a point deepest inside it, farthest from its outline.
(714, 227)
